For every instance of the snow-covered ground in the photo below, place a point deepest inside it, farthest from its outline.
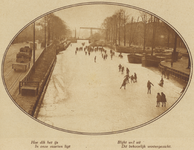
(85, 96)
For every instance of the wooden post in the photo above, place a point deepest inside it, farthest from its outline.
(45, 32)
(34, 47)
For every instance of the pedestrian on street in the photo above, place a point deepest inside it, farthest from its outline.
(158, 100)
(163, 99)
(149, 84)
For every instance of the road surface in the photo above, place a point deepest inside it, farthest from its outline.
(12, 77)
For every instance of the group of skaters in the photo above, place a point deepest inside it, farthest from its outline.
(127, 76)
(88, 49)
(161, 98)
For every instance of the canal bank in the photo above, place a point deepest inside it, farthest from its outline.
(33, 85)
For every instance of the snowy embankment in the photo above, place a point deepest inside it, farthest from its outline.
(85, 96)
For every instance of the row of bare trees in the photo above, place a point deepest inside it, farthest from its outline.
(144, 30)
(114, 25)
(50, 27)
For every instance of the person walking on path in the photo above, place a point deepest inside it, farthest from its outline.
(95, 59)
(163, 99)
(149, 84)
(158, 100)
(123, 84)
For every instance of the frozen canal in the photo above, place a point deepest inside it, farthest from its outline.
(85, 96)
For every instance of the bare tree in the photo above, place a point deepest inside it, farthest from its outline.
(125, 20)
(132, 30)
(145, 20)
(154, 22)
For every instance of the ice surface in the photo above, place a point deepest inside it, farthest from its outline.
(85, 96)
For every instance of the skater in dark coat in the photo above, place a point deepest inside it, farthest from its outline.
(127, 77)
(95, 59)
(135, 77)
(122, 69)
(149, 84)
(163, 99)
(158, 100)
(127, 70)
(161, 82)
(132, 78)
(123, 84)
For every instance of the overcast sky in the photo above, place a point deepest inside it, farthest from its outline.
(90, 15)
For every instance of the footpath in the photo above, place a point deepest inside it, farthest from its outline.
(180, 69)
(180, 65)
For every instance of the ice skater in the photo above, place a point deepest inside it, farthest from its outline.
(123, 84)
(161, 82)
(122, 70)
(135, 77)
(127, 77)
(120, 67)
(158, 100)
(127, 70)
(132, 78)
(95, 59)
(149, 84)
(163, 99)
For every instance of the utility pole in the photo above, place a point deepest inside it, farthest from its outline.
(34, 47)
(45, 32)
